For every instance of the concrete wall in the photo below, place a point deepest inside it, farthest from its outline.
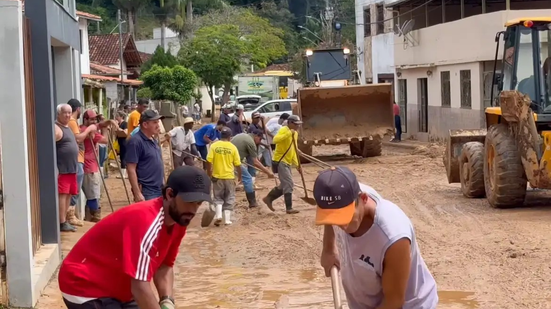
(442, 119)
(62, 24)
(375, 52)
(466, 40)
(149, 46)
(85, 48)
(26, 275)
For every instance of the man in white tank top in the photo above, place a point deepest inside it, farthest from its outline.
(372, 242)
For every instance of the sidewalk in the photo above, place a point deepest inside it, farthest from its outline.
(51, 296)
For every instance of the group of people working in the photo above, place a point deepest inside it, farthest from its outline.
(370, 239)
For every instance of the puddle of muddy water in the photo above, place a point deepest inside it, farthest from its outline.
(206, 280)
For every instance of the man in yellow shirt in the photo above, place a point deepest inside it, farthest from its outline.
(134, 117)
(285, 157)
(223, 162)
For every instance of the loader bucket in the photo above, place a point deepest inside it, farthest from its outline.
(346, 112)
(453, 150)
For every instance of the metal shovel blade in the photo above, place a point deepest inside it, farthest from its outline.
(208, 216)
(309, 200)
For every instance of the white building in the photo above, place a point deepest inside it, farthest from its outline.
(172, 42)
(444, 66)
(374, 41)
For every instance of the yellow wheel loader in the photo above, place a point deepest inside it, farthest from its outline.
(515, 148)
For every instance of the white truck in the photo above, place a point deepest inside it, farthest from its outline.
(267, 87)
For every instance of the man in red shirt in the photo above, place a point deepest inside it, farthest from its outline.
(112, 265)
(397, 123)
(91, 184)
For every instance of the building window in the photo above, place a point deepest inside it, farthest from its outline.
(402, 102)
(445, 88)
(380, 19)
(81, 45)
(465, 80)
(367, 22)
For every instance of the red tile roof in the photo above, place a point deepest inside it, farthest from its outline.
(104, 49)
(145, 56)
(131, 82)
(89, 16)
(276, 67)
(99, 69)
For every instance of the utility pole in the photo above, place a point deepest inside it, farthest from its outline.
(121, 93)
(328, 16)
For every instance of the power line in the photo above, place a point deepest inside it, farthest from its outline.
(394, 17)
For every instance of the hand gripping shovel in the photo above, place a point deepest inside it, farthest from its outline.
(336, 288)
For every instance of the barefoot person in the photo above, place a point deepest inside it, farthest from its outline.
(373, 242)
(138, 243)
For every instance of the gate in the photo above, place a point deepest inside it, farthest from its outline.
(31, 137)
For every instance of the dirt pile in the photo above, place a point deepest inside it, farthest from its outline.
(431, 151)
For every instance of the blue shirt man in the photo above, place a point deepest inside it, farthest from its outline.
(144, 159)
(206, 135)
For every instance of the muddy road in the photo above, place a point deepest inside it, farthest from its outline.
(480, 257)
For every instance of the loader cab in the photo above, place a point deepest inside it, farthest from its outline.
(526, 63)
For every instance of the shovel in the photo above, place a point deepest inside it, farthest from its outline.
(305, 198)
(208, 216)
(335, 285)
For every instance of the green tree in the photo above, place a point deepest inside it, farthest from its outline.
(176, 84)
(263, 43)
(215, 55)
(160, 58)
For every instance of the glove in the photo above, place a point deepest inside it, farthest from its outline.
(167, 304)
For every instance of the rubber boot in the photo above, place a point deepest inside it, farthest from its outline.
(218, 215)
(227, 217)
(271, 197)
(124, 174)
(95, 215)
(289, 204)
(72, 218)
(87, 214)
(251, 198)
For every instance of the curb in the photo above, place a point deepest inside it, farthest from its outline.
(403, 145)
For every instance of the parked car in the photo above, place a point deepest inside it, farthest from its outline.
(273, 108)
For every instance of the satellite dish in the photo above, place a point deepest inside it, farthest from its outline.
(408, 26)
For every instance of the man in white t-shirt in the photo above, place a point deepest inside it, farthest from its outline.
(183, 143)
(197, 112)
(272, 127)
(373, 243)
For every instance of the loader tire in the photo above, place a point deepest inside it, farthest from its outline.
(504, 177)
(367, 148)
(471, 170)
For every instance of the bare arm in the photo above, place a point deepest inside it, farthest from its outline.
(84, 135)
(133, 177)
(329, 243)
(164, 280)
(143, 294)
(396, 269)
(209, 169)
(239, 173)
(261, 167)
(58, 133)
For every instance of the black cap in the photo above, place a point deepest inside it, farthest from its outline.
(225, 132)
(190, 183)
(74, 103)
(149, 115)
(143, 102)
(255, 115)
(284, 116)
(257, 132)
(294, 119)
(336, 191)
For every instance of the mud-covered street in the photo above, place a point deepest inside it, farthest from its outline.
(480, 257)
